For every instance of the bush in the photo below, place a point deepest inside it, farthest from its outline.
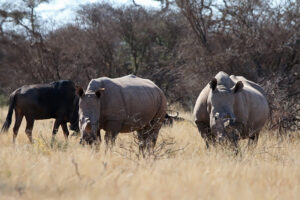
(3, 100)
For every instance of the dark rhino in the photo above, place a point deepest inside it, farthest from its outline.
(231, 107)
(123, 105)
(56, 100)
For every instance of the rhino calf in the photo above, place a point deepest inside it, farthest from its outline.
(230, 107)
(123, 105)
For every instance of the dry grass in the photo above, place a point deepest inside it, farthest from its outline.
(180, 169)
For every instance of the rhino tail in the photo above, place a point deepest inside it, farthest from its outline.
(12, 102)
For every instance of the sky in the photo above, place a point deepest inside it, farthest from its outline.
(59, 12)
(62, 11)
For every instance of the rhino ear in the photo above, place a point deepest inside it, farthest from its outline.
(238, 87)
(99, 92)
(213, 83)
(79, 91)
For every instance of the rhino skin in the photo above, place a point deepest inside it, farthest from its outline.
(230, 103)
(121, 105)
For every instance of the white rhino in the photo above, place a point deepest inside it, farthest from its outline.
(123, 105)
(230, 103)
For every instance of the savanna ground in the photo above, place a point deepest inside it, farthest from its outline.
(181, 167)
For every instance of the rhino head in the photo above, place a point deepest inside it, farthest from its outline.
(221, 105)
(89, 115)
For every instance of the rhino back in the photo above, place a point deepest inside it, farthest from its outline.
(248, 82)
(251, 107)
(131, 99)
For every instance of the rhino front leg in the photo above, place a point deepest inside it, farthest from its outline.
(113, 128)
(205, 133)
(252, 141)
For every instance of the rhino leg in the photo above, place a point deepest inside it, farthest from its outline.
(110, 138)
(113, 128)
(147, 140)
(143, 137)
(148, 136)
(156, 126)
(252, 141)
(205, 133)
(151, 140)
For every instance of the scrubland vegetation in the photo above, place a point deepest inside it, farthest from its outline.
(181, 167)
(180, 47)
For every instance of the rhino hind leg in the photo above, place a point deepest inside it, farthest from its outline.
(144, 137)
(148, 136)
(143, 142)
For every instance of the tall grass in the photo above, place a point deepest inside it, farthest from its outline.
(181, 168)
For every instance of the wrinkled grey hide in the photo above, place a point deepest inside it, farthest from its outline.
(230, 107)
(121, 105)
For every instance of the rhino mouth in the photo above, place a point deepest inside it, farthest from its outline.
(230, 134)
(88, 139)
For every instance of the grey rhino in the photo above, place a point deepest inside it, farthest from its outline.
(123, 105)
(229, 104)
